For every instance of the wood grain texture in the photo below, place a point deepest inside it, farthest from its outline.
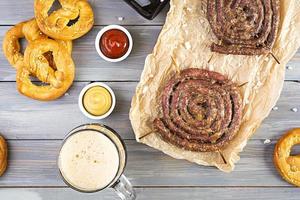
(23, 118)
(33, 163)
(157, 193)
(105, 11)
(89, 66)
(293, 68)
(35, 129)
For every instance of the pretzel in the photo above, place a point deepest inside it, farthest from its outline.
(28, 30)
(288, 166)
(11, 45)
(3, 155)
(58, 24)
(58, 78)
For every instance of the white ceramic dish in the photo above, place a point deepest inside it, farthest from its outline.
(85, 112)
(110, 27)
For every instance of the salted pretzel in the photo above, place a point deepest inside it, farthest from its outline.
(288, 165)
(57, 80)
(74, 19)
(11, 46)
(30, 31)
(3, 155)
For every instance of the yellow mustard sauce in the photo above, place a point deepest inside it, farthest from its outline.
(97, 101)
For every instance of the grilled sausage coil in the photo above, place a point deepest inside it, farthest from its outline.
(245, 27)
(201, 111)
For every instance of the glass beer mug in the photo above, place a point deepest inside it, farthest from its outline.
(93, 158)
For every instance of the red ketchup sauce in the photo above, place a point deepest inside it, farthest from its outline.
(114, 43)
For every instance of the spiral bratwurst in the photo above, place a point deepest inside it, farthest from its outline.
(245, 27)
(201, 110)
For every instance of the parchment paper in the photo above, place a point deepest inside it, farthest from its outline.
(184, 42)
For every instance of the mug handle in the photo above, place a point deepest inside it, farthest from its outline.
(124, 189)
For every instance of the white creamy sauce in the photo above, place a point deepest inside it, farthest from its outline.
(89, 160)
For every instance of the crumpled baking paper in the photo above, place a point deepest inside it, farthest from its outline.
(184, 42)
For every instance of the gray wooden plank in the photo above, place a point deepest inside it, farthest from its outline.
(283, 119)
(33, 163)
(89, 66)
(105, 11)
(293, 68)
(24, 118)
(157, 193)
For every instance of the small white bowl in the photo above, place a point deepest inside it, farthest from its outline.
(98, 38)
(85, 112)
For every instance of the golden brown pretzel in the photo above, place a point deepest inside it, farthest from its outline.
(28, 30)
(3, 155)
(11, 45)
(57, 24)
(58, 78)
(288, 166)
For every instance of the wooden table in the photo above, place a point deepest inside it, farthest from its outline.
(35, 129)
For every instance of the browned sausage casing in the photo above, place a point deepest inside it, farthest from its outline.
(201, 111)
(245, 27)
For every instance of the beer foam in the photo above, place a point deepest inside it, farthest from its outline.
(89, 161)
